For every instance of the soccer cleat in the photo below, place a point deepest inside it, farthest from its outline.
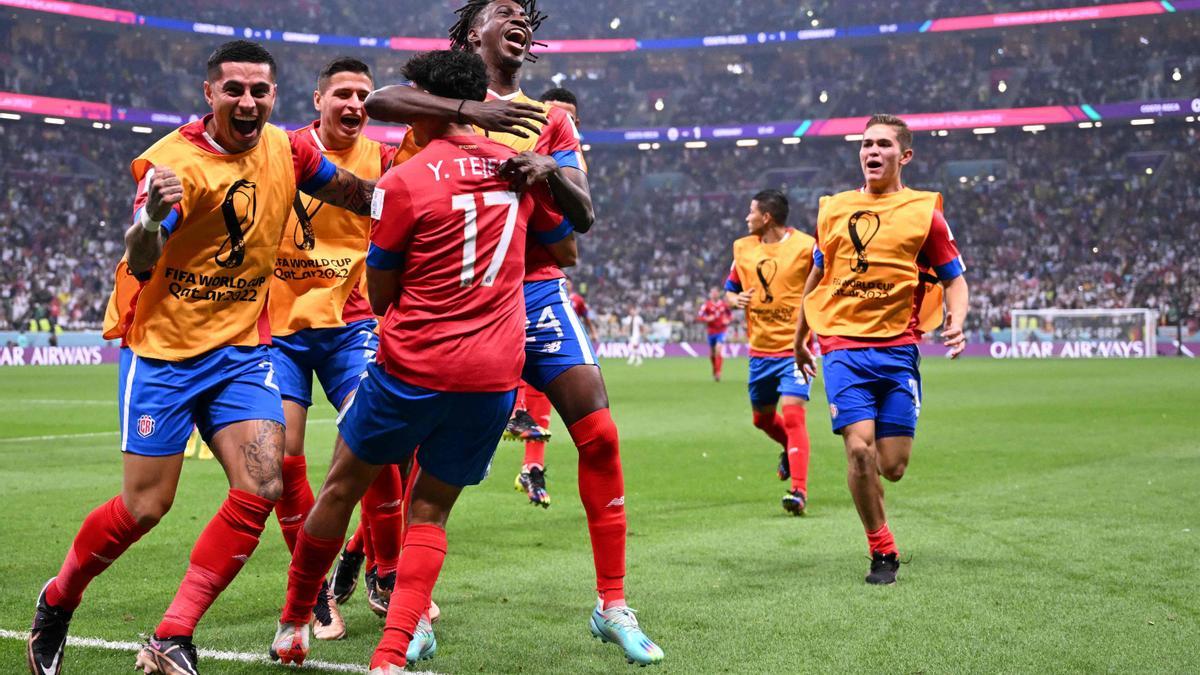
(168, 656)
(533, 484)
(423, 644)
(380, 593)
(522, 427)
(784, 470)
(795, 503)
(47, 636)
(327, 618)
(345, 575)
(290, 645)
(883, 568)
(619, 625)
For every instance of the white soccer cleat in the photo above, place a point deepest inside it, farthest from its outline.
(291, 643)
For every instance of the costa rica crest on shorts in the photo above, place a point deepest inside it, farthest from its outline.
(145, 426)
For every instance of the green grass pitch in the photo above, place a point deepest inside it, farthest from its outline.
(1049, 511)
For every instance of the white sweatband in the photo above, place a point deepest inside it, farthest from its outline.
(148, 224)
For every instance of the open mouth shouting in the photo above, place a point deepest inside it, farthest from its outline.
(245, 126)
(517, 38)
(350, 122)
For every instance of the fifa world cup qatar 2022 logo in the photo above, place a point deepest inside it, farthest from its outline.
(238, 211)
(766, 271)
(863, 227)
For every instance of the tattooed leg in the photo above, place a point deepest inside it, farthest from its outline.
(251, 453)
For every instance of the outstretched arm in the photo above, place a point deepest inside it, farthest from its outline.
(400, 104)
(347, 191)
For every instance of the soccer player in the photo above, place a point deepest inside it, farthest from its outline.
(633, 323)
(321, 322)
(189, 306)
(770, 266)
(716, 317)
(449, 359)
(559, 360)
(863, 299)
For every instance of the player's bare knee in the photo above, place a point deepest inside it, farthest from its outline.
(148, 510)
(860, 455)
(893, 472)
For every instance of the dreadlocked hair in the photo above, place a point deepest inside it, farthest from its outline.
(468, 13)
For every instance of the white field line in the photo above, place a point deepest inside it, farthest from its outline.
(64, 401)
(96, 434)
(239, 657)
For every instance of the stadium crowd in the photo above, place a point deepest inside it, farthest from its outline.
(1053, 229)
(1136, 60)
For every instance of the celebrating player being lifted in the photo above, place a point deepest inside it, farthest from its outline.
(863, 300)
(770, 266)
(189, 307)
(320, 319)
(559, 359)
(450, 355)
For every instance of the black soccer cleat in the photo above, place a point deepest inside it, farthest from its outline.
(784, 470)
(379, 594)
(883, 568)
(47, 637)
(522, 427)
(169, 656)
(345, 575)
(533, 484)
(796, 503)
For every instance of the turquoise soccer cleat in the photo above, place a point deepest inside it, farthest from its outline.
(423, 644)
(619, 626)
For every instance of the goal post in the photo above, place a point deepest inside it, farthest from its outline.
(1085, 333)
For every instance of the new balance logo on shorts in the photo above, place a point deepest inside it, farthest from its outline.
(145, 426)
(552, 347)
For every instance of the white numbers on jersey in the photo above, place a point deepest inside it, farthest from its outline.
(468, 205)
(269, 380)
(547, 320)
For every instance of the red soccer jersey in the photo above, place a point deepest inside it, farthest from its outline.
(717, 315)
(457, 232)
(559, 139)
(579, 305)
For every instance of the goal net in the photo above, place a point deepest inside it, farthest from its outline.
(1084, 333)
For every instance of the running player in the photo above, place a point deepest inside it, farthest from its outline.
(449, 359)
(863, 300)
(559, 360)
(320, 320)
(189, 306)
(770, 267)
(716, 317)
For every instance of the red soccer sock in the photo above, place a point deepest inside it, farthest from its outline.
(383, 511)
(718, 361)
(222, 549)
(797, 446)
(107, 532)
(420, 563)
(310, 563)
(540, 409)
(519, 403)
(355, 545)
(296, 501)
(771, 425)
(881, 540)
(602, 490)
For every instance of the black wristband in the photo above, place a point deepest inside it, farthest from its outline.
(459, 113)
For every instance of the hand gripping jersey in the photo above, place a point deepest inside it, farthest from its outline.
(777, 273)
(559, 139)
(209, 288)
(457, 232)
(319, 272)
(870, 245)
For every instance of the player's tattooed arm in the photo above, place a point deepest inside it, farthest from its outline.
(144, 239)
(348, 192)
(263, 455)
(402, 104)
(568, 185)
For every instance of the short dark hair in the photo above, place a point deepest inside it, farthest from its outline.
(342, 64)
(238, 51)
(561, 95)
(775, 203)
(469, 13)
(903, 133)
(449, 74)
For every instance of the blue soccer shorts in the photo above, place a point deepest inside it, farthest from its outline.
(555, 340)
(454, 434)
(160, 401)
(715, 339)
(875, 384)
(338, 356)
(774, 376)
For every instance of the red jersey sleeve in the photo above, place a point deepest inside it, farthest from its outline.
(940, 252)
(733, 283)
(313, 170)
(560, 140)
(392, 224)
(547, 225)
(387, 157)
